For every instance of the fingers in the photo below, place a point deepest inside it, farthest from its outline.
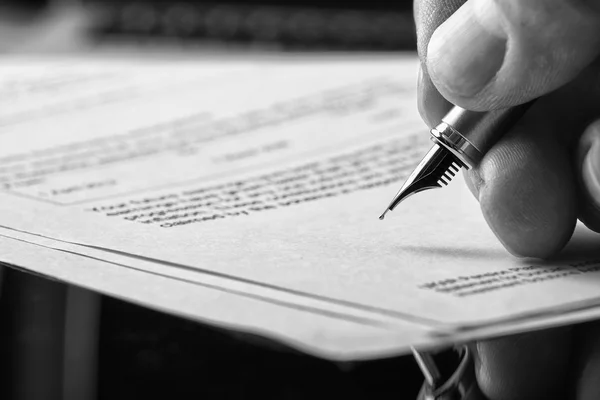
(498, 53)
(432, 106)
(526, 185)
(526, 190)
(529, 366)
(429, 14)
(588, 164)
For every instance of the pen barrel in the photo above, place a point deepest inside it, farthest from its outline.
(470, 134)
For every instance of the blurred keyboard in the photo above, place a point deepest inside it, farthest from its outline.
(290, 25)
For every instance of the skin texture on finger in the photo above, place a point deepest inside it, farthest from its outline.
(526, 189)
(530, 177)
(528, 366)
(498, 53)
(530, 197)
(429, 14)
(432, 106)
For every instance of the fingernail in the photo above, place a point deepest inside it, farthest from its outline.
(591, 171)
(463, 56)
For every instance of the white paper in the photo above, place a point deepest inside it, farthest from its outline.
(277, 176)
(404, 334)
(225, 284)
(322, 335)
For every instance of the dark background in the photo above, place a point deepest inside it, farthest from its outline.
(289, 25)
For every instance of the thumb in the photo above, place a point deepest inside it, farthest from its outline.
(499, 53)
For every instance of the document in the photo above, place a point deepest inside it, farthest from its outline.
(266, 178)
(326, 335)
(201, 279)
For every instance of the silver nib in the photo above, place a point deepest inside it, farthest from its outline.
(436, 170)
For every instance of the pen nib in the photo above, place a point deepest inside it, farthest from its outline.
(436, 170)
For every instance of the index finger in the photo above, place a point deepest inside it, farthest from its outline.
(492, 54)
(429, 14)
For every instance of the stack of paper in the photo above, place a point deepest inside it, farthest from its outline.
(246, 194)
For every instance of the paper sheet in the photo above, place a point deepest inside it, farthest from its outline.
(322, 335)
(276, 175)
(225, 284)
(404, 334)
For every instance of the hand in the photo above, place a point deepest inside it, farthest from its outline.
(544, 174)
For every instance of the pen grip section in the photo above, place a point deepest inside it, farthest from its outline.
(484, 129)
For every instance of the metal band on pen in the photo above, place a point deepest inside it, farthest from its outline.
(445, 135)
(461, 139)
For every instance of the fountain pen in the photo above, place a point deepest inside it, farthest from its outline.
(461, 140)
